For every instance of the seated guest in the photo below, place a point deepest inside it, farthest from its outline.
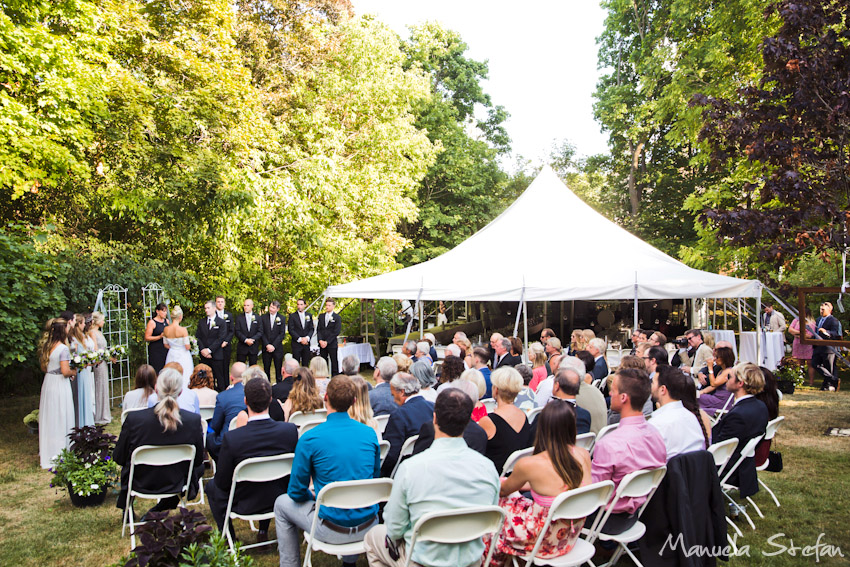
(408, 349)
(338, 449)
(658, 339)
(714, 395)
(275, 410)
(164, 424)
(145, 387)
(414, 410)
(446, 476)
(770, 397)
(424, 372)
(321, 374)
(553, 352)
(507, 428)
(635, 362)
(188, 399)
(681, 427)
(403, 363)
(525, 398)
(280, 391)
(556, 466)
(202, 383)
(577, 342)
(228, 404)
(452, 369)
(472, 383)
(746, 419)
(480, 360)
(597, 347)
(304, 396)
(504, 354)
(361, 409)
(565, 389)
(423, 352)
(655, 358)
(381, 398)
(466, 352)
(432, 340)
(588, 397)
(516, 350)
(634, 445)
(589, 364)
(260, 437)
(473, 434)
(351, 365)
(538, 365)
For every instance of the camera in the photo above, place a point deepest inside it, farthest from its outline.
(681, 342)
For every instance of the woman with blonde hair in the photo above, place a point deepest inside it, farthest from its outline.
(202, 382)
(553, 351)
(163, 424)
(321, 374)
(507, 427)
(403, 362)
(304, 396)
(56, 405)
(472, 382)
(82, 343)
(361, 409)
(465, 351)
(176, 339)
(577, 342)
(538, 365)
(101, 372)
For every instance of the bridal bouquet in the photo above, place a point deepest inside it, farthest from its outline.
(193, 344)
(118, 352)
(77, 361)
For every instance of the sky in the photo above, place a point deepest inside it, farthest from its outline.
(542, 61)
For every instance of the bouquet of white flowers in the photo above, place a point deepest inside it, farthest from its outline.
(118, 352)
(78, 360)
(193, 344)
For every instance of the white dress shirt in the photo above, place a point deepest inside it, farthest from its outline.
(680, 429)
(544, 391)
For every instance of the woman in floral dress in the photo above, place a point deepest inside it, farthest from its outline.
(556, 466)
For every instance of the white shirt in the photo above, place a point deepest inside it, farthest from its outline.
(736, 400)
(544, 391)
(259, 417)
(301, 316)
(328, 317)
(248, 319)
(211, 321)
(679, 428)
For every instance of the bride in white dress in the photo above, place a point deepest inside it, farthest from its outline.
(177, 342)
(56, 407)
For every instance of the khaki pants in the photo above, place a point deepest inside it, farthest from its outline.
(377, 552)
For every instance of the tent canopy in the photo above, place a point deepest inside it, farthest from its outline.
(549, 245)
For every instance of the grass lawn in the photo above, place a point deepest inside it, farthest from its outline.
(40, 527)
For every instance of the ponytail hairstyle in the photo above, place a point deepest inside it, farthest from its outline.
(55, 331)
(682, 388)
(556, 434)
(169, 384)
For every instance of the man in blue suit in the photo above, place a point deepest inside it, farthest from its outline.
(747, 419)
(407, 420)
(565, 387)
(260, 437)
(823, 357)
(228, 404)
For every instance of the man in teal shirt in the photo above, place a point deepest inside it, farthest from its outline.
(447, 476)
(339, 449)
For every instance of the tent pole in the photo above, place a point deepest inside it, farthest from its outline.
(759, 341)
(521, 309)
(421, 320)
(561, 320)
(714, 314)
(525, 329)
(725, 305)
(740, 319)
(636, 304)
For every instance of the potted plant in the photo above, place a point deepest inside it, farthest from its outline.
(789, 375)
(86, 470)
(31, 421)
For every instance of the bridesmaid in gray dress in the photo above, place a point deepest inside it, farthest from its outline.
(101, 372)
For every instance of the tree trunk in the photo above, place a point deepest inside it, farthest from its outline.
(634, 194)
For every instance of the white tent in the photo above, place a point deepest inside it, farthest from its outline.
(549, 245)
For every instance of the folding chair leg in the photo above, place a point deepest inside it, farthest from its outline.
(758, 511)
(732, 545)
(747, 516)
(227, 535)
(734, 527)
(625, 548)
(769, 491)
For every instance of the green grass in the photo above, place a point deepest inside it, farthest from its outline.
(40, 527)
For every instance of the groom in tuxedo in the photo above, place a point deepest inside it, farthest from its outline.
(273, 331)
(301, 330)
(329, 327)
(249, 334)
(227, 343)
(211, 333)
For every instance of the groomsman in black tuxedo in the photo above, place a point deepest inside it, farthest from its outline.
(300, 331)
(249, 334)
(227, 347)
(211, 334)
(329, 327)
(273, 330)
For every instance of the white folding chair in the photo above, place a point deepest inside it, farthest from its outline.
(722, 452)
(769, 434)
(300, 418)
(406, 449)
(575, 504)
(437, 367)
(155, 456)
(596, 383)
(305, 427)
(586, 440)
(397, 349)
(207, 412)
(385, 449)
(382, 422)
(748, 451)
(232, 424)
(532, 414)
(602, 433)
(347, 495)
(128, 410)
(637, 484)
(256, 469)
(489, 404)
(513, 458)
(613, 357)
(201, 497)
(722, 411)
(461, 525)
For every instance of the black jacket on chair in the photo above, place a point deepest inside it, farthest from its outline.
(747, 419)
(143, 428)
(689, 502)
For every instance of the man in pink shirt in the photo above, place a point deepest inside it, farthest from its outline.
(634, 445)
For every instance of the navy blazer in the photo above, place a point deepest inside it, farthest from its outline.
(381, 399)
(582, 420)
(473, 434)
(228, 404)
(828, 323)
(405, 422)
(747, 419)
(600, 370)
(259, 438)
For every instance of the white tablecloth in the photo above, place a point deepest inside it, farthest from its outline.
(773, 349)
(728, 336)
(362, 350)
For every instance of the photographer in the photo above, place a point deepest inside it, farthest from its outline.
(698, 352)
